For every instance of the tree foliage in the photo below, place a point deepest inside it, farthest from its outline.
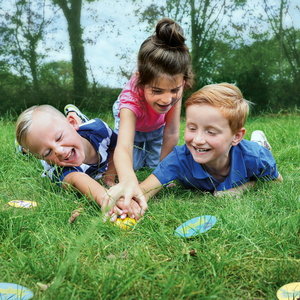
(22, 30)
(287, 37)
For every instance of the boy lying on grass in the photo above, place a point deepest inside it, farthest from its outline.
(215, 157)
(82, 151)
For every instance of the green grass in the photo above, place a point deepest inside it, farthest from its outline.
(252, 251)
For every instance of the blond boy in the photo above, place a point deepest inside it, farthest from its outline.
(82, 152)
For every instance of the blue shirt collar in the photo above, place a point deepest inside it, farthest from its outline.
(237, 172)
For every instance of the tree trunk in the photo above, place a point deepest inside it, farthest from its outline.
(33, 65)
(72, 13)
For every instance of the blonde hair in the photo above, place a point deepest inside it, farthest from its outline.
(164, 53)
(24, 121)
(227, 98)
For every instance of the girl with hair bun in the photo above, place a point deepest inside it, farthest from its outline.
(147, 112)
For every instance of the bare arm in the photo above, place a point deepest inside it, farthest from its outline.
(237, 191)
(171, 131)
(128, 186)
(87, 186)
(123, 156)
(240, 189)
(109, 177)
(150, 186)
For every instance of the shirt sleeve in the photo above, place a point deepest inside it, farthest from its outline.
(266, 168)
(111, 135)
(168, 169)
(61, 173)
(131, 97)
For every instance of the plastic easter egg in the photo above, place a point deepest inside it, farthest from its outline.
(22, 203)
(195, 226)
(127, 223)
(14, 291)
(289, 291)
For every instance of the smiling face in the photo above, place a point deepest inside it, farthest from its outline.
(209, 137)
(54, 139)
(162, 94)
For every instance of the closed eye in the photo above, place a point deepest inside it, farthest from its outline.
(211, 132)
(191, 128)
(154, 91)
(59, 138)
(47, 153)
(175, 91)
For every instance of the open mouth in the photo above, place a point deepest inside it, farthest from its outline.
(201, 150)
(71, 154)
(163, 106)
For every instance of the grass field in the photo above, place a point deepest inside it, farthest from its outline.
(252, 251)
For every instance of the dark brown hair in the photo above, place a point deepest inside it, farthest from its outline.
(164, 53)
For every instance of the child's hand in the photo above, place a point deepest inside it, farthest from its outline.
(136, 212)
(127, 192)
(119, 210)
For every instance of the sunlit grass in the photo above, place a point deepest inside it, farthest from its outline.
(249, 254)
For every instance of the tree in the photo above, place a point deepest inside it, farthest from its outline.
(287, 37)
(204, 24)
(57, 83)
(22, 30)
(72, 12)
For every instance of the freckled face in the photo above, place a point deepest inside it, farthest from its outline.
(55, 140)
(208, 135)
(162, 94)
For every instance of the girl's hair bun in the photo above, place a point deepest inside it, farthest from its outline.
(164, 53)
(169, 33)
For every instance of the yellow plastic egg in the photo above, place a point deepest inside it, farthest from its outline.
(127, 223)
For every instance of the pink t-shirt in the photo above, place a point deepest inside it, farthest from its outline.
(133, 98)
